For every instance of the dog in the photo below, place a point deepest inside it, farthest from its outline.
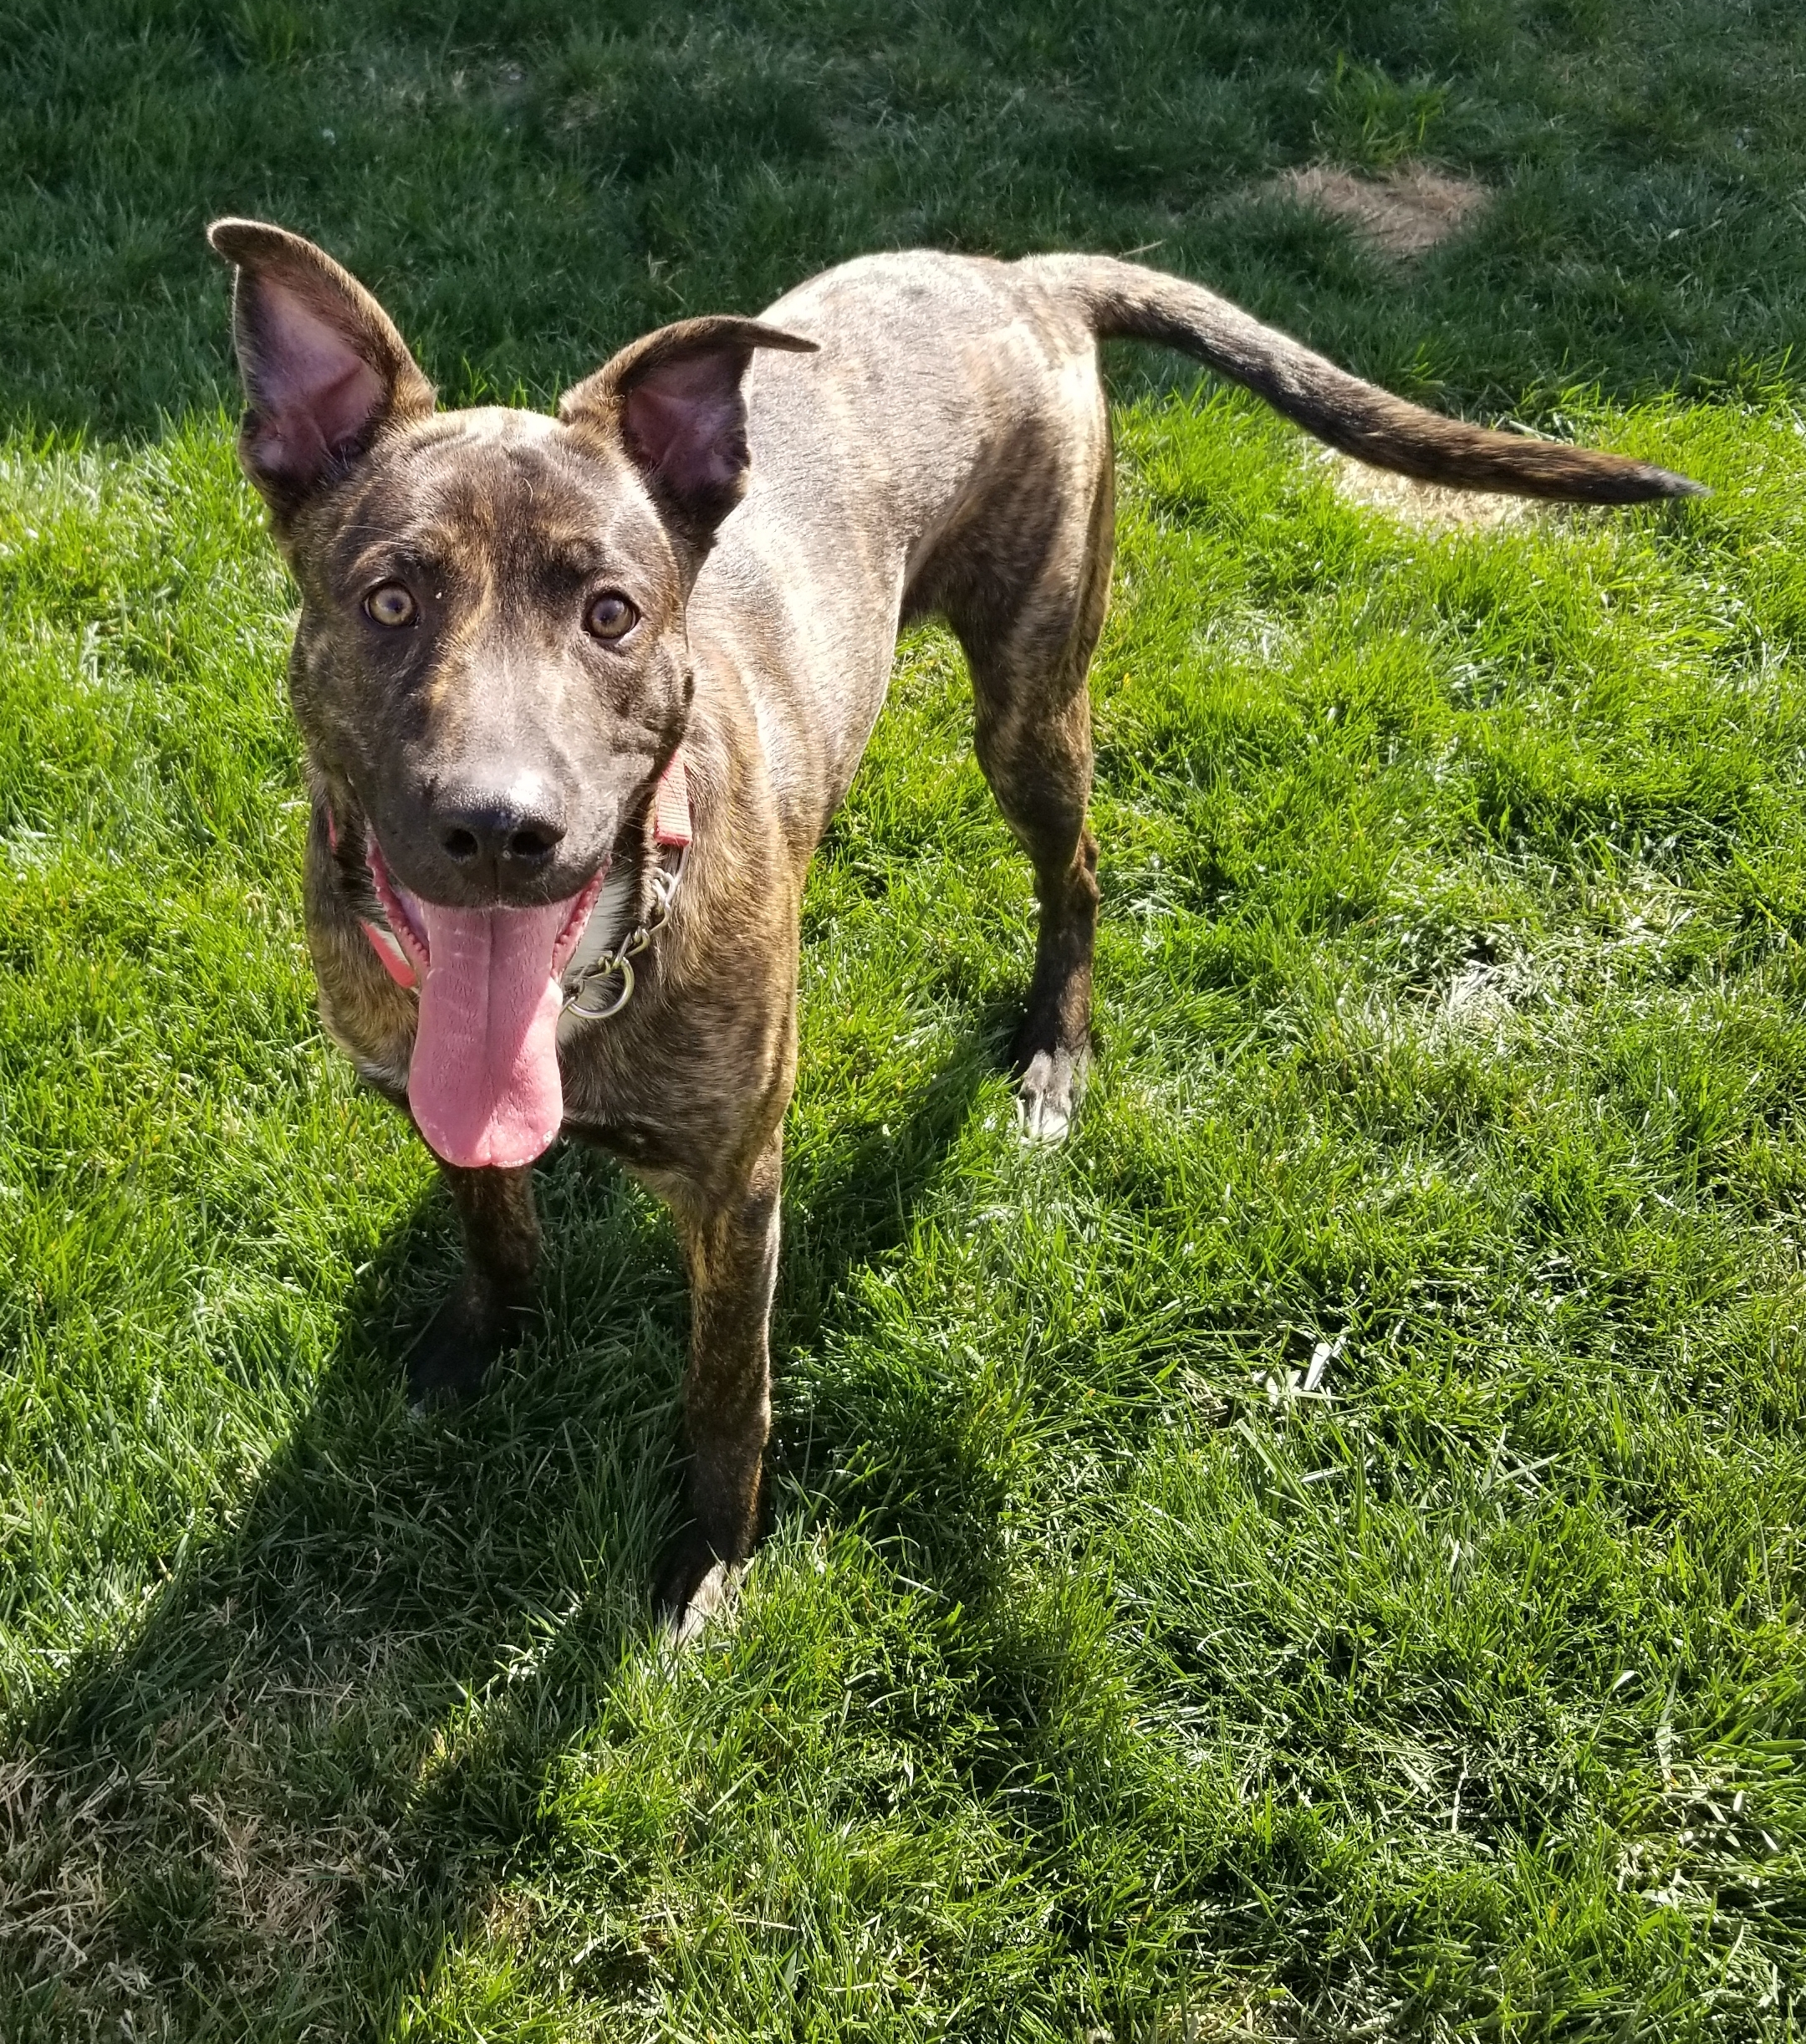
(579, 695)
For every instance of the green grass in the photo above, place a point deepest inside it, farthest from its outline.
(1097, 1680)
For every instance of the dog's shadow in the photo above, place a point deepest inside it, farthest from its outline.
(297, 1781)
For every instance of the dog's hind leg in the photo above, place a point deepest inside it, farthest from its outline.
(484, 1309)
(1029, 656)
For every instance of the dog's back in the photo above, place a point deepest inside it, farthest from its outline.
(929, 455)
(948, 450)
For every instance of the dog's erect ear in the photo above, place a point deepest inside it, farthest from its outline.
(674, 399)
(325, 370)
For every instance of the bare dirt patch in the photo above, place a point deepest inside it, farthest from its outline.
(1402, 214)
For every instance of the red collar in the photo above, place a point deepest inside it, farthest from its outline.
(670, 826)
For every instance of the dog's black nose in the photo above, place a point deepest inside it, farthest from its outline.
(513, 834)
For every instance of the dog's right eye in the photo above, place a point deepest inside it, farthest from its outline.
(390, 605)
(609, 616)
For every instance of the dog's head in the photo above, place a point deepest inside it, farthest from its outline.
(492, 668)
(492, 654)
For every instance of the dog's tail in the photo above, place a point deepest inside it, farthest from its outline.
(1123, 301)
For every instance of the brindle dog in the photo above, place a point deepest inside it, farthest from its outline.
(510, 623)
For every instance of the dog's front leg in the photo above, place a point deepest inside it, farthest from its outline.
(484, 1309)
(730, 1247)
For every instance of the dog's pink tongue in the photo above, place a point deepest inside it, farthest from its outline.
(484, 1081)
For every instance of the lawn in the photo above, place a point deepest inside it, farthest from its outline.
(1319, 1556)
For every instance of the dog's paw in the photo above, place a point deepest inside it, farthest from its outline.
(448, 1363)
(1048, 1094)
(694, 1591)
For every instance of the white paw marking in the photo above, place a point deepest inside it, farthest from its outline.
(1046, 1100)
(712, 1603)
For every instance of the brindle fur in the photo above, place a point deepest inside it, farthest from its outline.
(947, 451)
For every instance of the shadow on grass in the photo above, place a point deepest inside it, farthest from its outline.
(300, 1780)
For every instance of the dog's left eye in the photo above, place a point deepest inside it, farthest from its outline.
(390, 605)
(609, 615)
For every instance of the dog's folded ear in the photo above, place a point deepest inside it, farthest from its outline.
(673, 400)
(325, 370)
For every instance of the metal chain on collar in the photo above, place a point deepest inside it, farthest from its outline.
(589, 986)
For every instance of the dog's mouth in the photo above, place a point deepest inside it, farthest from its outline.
(483, 1081)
